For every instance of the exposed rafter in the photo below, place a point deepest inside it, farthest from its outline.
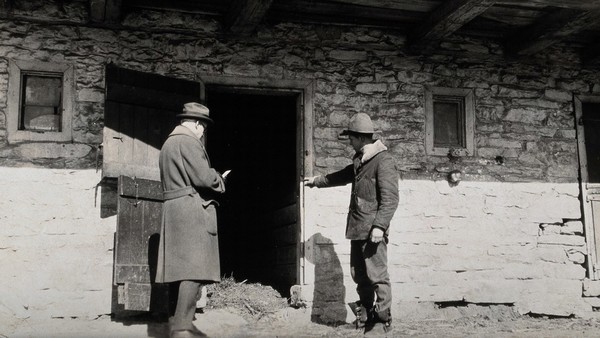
(550, 29)
(245, 15)
(105, 11)
(446, 19)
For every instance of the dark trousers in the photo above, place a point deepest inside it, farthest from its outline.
(182, 308)
(368, 265)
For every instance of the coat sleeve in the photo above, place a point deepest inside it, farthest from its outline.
(197, 168)
(387, 193)
(341, 177)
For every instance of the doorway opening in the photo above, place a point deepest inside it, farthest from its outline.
(587, 117)
(256, 135)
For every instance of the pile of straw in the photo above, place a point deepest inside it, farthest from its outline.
(251, 300)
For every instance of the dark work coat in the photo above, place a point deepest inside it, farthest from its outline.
(374, 197)
(189, 248)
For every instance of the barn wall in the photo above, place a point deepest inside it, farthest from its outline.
(506, 227)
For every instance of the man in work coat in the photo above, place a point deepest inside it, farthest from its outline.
(373, 203)
(189, 252)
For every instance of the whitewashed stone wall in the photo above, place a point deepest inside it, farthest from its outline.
(56, 251)
(519, 244)
(507, 234)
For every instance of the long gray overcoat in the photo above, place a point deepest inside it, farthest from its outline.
(189, 248)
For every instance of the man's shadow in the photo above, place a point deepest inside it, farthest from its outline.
(329, 294)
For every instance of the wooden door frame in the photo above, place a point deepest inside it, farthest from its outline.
(304, 134)
(590, 231)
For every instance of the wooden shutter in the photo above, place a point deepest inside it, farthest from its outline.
(139, 115)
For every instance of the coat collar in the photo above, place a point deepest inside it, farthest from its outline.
(370, 150)
(181, 130)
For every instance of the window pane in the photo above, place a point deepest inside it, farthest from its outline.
(447, 124)
(42, 105)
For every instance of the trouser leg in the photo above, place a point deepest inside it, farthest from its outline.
(376, 266)
(358, 270)
(186, 306)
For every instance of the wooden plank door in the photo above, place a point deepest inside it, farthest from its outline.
(588, 134)
(140, 113)
(139, 214)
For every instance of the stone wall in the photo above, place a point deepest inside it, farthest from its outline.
(56, 251)
(509, 233)
(518, 244)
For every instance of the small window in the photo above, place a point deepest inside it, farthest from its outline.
(449, 115)
(39, 104)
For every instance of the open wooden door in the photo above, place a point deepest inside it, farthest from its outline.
(587, 111)
(140, 113)
(136, 247)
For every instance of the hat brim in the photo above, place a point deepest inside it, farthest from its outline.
(195, 117)
(350, 132)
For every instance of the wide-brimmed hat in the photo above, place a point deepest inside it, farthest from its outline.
(360, 123)
(194, 110)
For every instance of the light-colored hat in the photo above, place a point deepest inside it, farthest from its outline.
(194, 110)
(360, 123)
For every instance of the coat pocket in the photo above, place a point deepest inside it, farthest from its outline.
(211, 216)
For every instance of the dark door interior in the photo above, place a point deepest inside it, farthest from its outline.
(590, 119)
(254, 135)
(591, 125)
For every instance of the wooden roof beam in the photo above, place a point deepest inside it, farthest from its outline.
(105, 11)
(444, 20)
(549, 30)
(245, 15)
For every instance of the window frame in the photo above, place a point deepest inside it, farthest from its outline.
(465, 95)
(16, 70)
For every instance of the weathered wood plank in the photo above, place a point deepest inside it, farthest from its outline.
(136, 273)
(142, 188)
(114, 169)
(245, 15)
(137, 296)
(140, 131)
(512, 16)
(573, 4)
(328, 12)
(206, 7)
(445, 20)
(151, 98)
(407, 5)
(550, 29)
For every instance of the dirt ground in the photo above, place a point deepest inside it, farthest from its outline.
(239, 309)
(291, 322)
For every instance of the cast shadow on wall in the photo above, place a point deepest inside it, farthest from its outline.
(329, 293)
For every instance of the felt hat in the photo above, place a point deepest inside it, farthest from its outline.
(194, 110)
(360, 123)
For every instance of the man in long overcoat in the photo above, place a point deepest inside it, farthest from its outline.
(373, 202)
(188, 251)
